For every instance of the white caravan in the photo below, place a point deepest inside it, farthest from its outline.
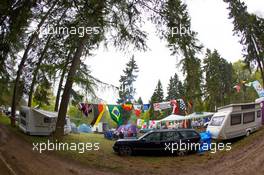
(39, 122)
(235, 120)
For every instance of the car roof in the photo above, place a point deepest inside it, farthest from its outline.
(167, 130)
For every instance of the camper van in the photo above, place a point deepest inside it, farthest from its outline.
(39, 122)
(235, 120)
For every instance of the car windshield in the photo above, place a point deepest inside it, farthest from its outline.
(217, 121)
(143, 136)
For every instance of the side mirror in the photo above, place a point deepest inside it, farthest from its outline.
(143, 139)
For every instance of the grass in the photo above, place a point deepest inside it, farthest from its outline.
(105, 159)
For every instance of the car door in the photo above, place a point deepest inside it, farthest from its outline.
(189, 139)
(150, 143)
(169, 140)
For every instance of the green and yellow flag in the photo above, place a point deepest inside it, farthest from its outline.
(115, 113)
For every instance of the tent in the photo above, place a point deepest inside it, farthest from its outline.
(74, 129)
(85, 128)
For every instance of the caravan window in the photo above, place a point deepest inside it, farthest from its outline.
(258, 114)
(47, 120)
(248, 117)
(235, 119)
(217, 121)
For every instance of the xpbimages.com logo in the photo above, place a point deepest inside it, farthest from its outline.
(59, 146)
(182, 146)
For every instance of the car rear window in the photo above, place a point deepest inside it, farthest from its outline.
(189, 134)
(170, 136)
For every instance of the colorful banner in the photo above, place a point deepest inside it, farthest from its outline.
(161, 106)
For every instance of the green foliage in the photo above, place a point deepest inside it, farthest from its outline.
(43, 93)
(241, 73)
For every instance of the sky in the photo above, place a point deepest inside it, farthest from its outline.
(209, 18)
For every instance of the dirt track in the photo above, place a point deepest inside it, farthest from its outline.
(20, 159)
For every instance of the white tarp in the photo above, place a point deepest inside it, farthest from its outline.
(191, 116)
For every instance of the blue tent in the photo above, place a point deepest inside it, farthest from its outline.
(85, 128)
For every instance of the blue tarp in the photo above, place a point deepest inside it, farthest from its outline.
(108, 135)
(85, 128)
(206, 140)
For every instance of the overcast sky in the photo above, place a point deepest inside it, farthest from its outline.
(208, 17)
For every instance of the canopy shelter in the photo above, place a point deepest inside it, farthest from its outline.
(173, 118)
(199, 115)
(194, 119)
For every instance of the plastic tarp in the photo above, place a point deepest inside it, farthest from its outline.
(85, 128)
(206, 140)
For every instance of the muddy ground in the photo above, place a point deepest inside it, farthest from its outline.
(17, 157)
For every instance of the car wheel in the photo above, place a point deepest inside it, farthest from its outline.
(181, 153)
(248, 133)
(125, 151)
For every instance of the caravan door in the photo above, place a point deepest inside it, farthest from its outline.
(216, 124)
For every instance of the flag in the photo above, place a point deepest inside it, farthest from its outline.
(115, 113)
(258, 88)
(137, 112)
(248, 84)
(85, 108)
(146, 107)
(237, 87)
(101, 109)
(98, 110)
(182, 105)
(127, 107)
(175, 107)
(160, 106)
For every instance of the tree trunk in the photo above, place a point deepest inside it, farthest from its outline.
(35, 73)
(61, 82)
(21, 65)
(67, 89)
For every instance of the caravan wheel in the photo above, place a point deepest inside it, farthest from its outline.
(248, 133)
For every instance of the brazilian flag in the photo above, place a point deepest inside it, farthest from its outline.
(115, 113)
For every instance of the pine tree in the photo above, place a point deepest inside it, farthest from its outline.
(173, 88)
(127, 90)
(218, 80)
(140, 101)
(176, 17)
(250, 28)
(157, 97)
